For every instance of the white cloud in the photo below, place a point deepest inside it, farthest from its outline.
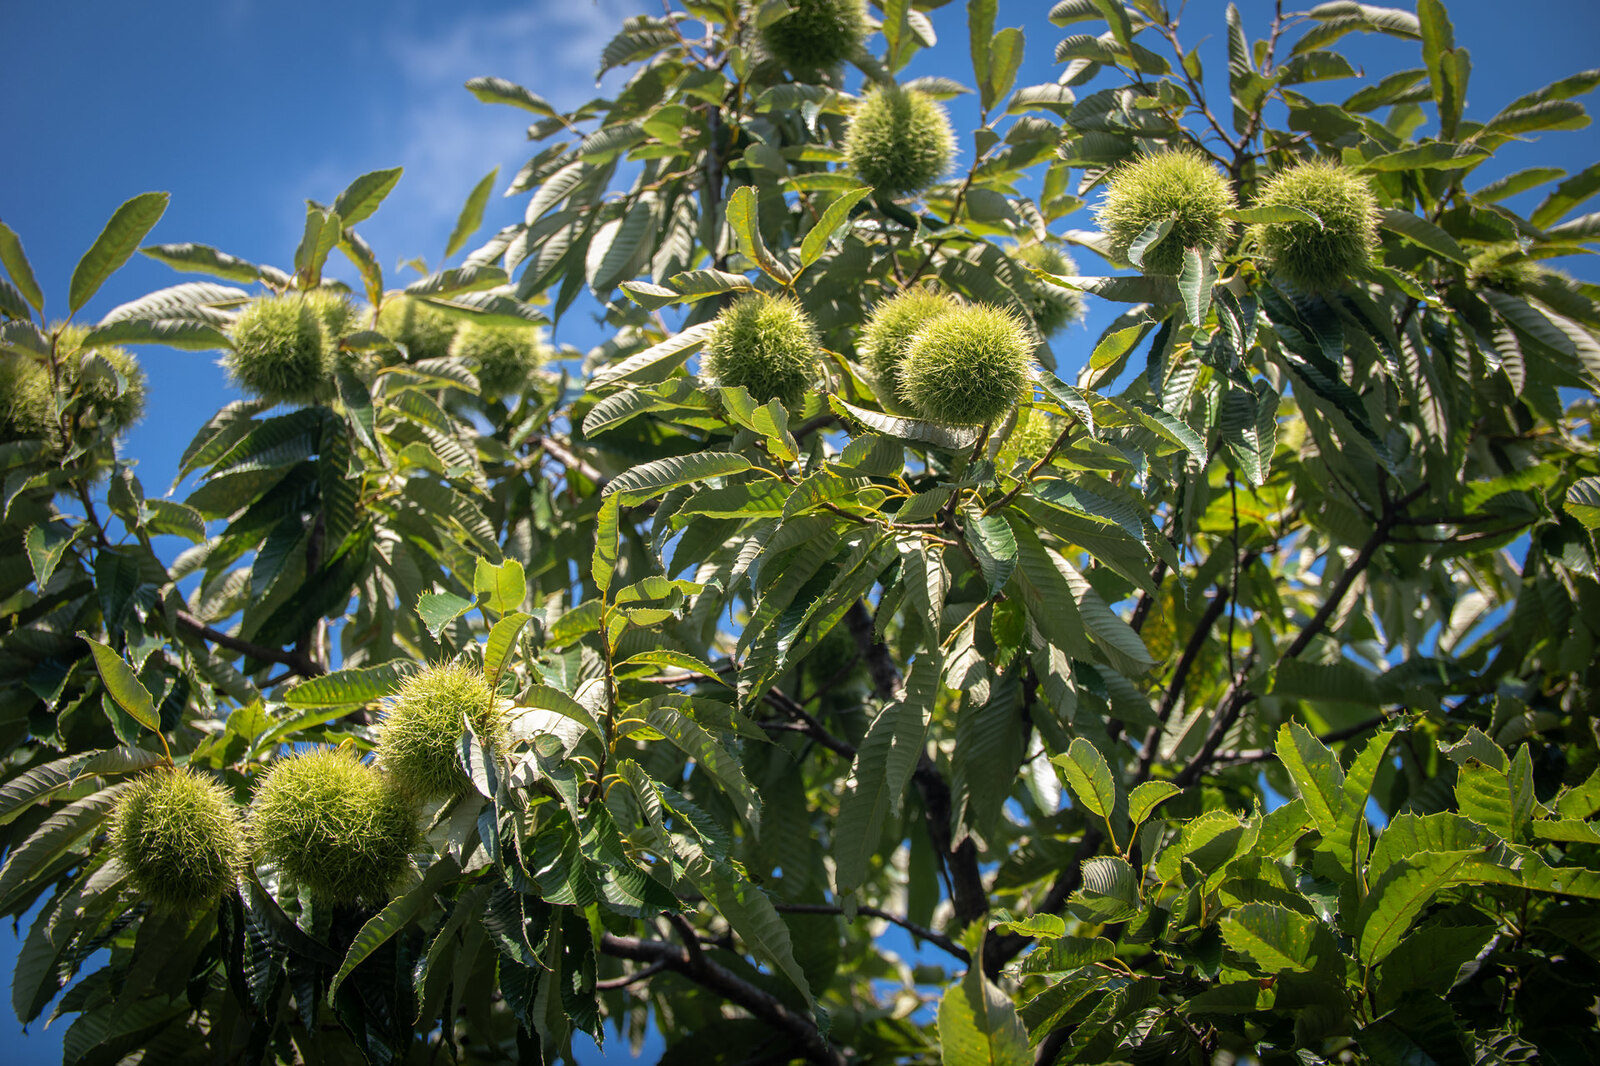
(444, 137)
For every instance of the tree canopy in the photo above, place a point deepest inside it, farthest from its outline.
(1231, 696)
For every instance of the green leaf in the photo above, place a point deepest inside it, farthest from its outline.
(1564, 197)
(362, 197)
(1005, 58)
(1272, 214)
(837, 214)
(546, 698)
(980, 31)
(1315, 773)
(1583, 501)
(16, 264)
(471, 216)
(1195, 282)
(322, 232)
(656, 360)
(501, 91)
(606, 545)
(171, 333)
(940, 434)
(1278, 939)
(1043, 926)
(1398, 896)
(744, 222)
(1089, 777)
(1109, 892)
(203, 259)
(438, 609)
(649, 480)
(755, 921)
(502, 641)
(691, 738)
(993, 545)
(505, 585)
(45, 544)
(1146, 797)
(128, 226)
(352, 687)
(399, 913)
(44, 781)
(1421, 232)
(123, 684)
(1435, 155)
(1153, 235)
(881, 774)
(1064, 954)
(56, 834)
(978, 1026)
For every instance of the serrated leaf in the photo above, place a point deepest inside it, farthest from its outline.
(123, 684)
(438, 609)
(1435, 155)
(745, 224)
(1398, 896)
(1582, 501)
(502, 641)
(940, 434)
(993, 545)
(649, 480)
(881, 774)
(836, 215)
(502, 587)
(1278, 939)
(1146, 797)
(129, 224)
(1421, 232)
(1195, 282)
(1153, 235)
(203, 259)
(362, 196)
(658, 358)
(691, 738)
(501, 91)
(399, 913)
(17, 265)
(978, 1026)
(1088, 775)
(45, 545)
(1315, 773)
(351, 687)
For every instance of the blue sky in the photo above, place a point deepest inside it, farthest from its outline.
(243, 109)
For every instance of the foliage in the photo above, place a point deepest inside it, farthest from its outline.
(786, 667)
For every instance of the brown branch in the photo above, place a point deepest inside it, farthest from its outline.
(960, 861)
(296, 661)
(569, 459)
(1180, 675)
(808, 1041)
(1254, 755)
(918, 931)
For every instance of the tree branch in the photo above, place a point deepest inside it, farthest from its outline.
(297, 661)
(708, 974)
(918, 931)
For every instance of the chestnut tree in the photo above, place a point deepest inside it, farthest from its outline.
(824, 668)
